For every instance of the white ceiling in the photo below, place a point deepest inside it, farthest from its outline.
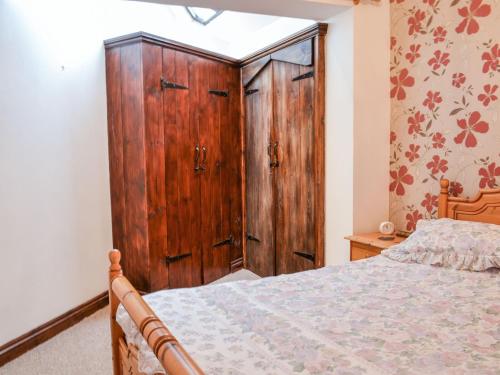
(244, 27)
(240, 34)
(234, 34)
(318, 10)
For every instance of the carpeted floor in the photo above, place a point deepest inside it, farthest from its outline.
(83, 349)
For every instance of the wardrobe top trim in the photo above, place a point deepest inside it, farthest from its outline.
(316, 29)
(140, 36)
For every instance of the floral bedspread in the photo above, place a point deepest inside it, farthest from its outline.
(368, 317)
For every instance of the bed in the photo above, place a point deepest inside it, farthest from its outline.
(367, 317)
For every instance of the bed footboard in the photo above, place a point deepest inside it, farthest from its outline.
(172, 356)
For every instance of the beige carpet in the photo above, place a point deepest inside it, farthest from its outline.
(85, 348)
(238, 275)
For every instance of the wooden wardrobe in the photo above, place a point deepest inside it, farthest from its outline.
(215, 163)
(175, 161)
(284, 122)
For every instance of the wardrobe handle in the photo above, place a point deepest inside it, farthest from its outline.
(203, 166)
(276, 161)
(269, 153)
(273, 156)
(196, 158)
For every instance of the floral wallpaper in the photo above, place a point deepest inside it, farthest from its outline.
(445, 78)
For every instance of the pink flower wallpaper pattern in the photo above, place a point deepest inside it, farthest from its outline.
(445, 107)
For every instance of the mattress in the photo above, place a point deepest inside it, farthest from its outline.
(376, 316)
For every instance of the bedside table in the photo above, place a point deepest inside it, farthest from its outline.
(368, 244)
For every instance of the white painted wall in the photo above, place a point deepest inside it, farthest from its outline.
(372, 109)
(54, 195)
(339, 133)
(357, 125)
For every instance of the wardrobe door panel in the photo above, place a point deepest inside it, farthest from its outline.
(260, 250)
(181, 180)
(293, 122)
(215, 229)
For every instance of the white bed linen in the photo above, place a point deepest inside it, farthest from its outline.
(376, 316)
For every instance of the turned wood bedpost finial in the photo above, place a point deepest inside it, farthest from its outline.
(444, 185)
(443, 198)
(115, 269)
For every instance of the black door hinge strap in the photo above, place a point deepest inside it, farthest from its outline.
(304, 76)
(175, 258)
(171, 85)
(223, 93)
(307, 256)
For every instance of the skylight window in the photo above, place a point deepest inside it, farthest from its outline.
(203, 15)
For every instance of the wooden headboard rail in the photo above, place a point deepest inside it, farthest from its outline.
(172, 356)
(484, 207)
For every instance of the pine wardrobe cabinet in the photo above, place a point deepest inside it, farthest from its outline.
(175, 161)
(284, 126)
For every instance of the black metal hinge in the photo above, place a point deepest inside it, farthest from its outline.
(223, 93)
(251, 91)
(304, 76)
(175, 258)
(307, 256)
(252, 238)
(227, 241)
(171, 85)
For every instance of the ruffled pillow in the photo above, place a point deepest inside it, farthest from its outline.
(462, 245)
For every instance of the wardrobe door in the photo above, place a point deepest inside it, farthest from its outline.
(181, 118)
(294, 178)
(260, 211)
(215, 230)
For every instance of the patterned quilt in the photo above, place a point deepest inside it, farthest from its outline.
(368, 317)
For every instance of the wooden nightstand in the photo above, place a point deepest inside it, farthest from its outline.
(368, 244)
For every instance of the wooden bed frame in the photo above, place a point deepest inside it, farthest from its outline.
(485, 207)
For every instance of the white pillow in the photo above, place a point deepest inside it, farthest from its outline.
(462, 245)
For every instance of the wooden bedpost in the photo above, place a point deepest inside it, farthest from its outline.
(172, 356)
(115, 270)
(443, 198)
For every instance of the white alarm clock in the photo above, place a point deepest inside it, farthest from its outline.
(386, 228)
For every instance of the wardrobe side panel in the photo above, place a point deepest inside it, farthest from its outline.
(319, 153)
(134, 160)
(260, 213)
(233, 157)
(155, 165)
(115, 150)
